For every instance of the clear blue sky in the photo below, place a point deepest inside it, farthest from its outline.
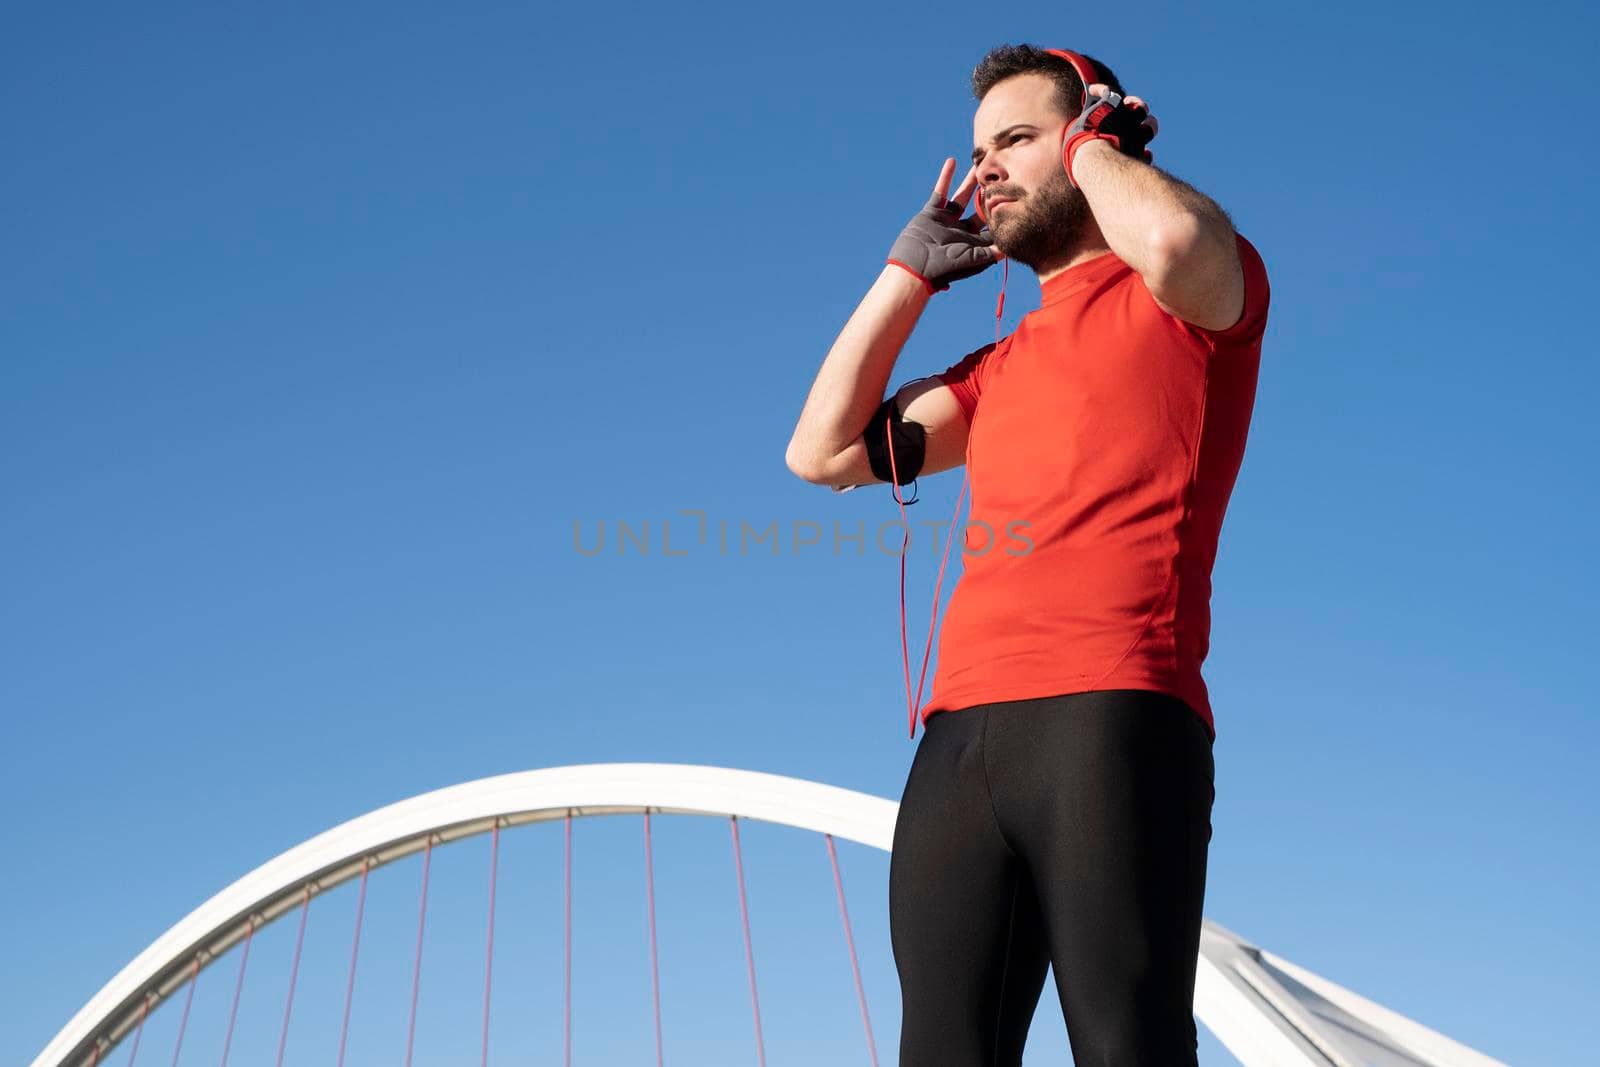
(321, 330)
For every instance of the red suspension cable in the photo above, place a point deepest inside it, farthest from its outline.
(416, 974)
(566, 1025)
(144, 1013)
(488, 960)
(655, 974)
(294, 972)
(183, 1023)
(749, 953)
(355, 947)
(849, 939)
(238, 987)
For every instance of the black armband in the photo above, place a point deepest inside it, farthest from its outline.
(910, 439)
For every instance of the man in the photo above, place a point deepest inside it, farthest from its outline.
(1058, 808)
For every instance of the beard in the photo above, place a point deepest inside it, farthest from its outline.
(1045, 228)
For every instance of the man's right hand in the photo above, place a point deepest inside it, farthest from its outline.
(938, 246)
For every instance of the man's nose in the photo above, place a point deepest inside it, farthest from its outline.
(989, 170)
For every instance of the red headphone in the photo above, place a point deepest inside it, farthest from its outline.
(1086, 74)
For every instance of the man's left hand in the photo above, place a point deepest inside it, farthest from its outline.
(1125, 121)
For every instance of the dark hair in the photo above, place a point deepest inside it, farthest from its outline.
(1010, 60)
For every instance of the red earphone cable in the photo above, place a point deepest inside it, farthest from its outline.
(913, 703)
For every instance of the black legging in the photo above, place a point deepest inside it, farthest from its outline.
(1070, 830)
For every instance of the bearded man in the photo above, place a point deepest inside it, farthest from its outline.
(1058, 807)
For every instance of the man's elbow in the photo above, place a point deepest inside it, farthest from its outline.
(802, 465)
(1174, 246)
(1195, 266)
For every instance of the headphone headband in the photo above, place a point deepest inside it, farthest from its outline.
(1084, 69)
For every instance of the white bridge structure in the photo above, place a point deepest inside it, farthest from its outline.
(1266, 1011)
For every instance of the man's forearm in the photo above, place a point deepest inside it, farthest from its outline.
(855, 374)
(1146, 216)
(1179, 240)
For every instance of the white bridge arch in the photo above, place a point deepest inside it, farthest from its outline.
(1265, 1010)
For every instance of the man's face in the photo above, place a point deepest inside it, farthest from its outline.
(1017, 133)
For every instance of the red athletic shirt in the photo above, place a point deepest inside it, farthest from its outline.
(1105, 437)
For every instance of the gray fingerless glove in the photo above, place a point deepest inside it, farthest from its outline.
(940, 247)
